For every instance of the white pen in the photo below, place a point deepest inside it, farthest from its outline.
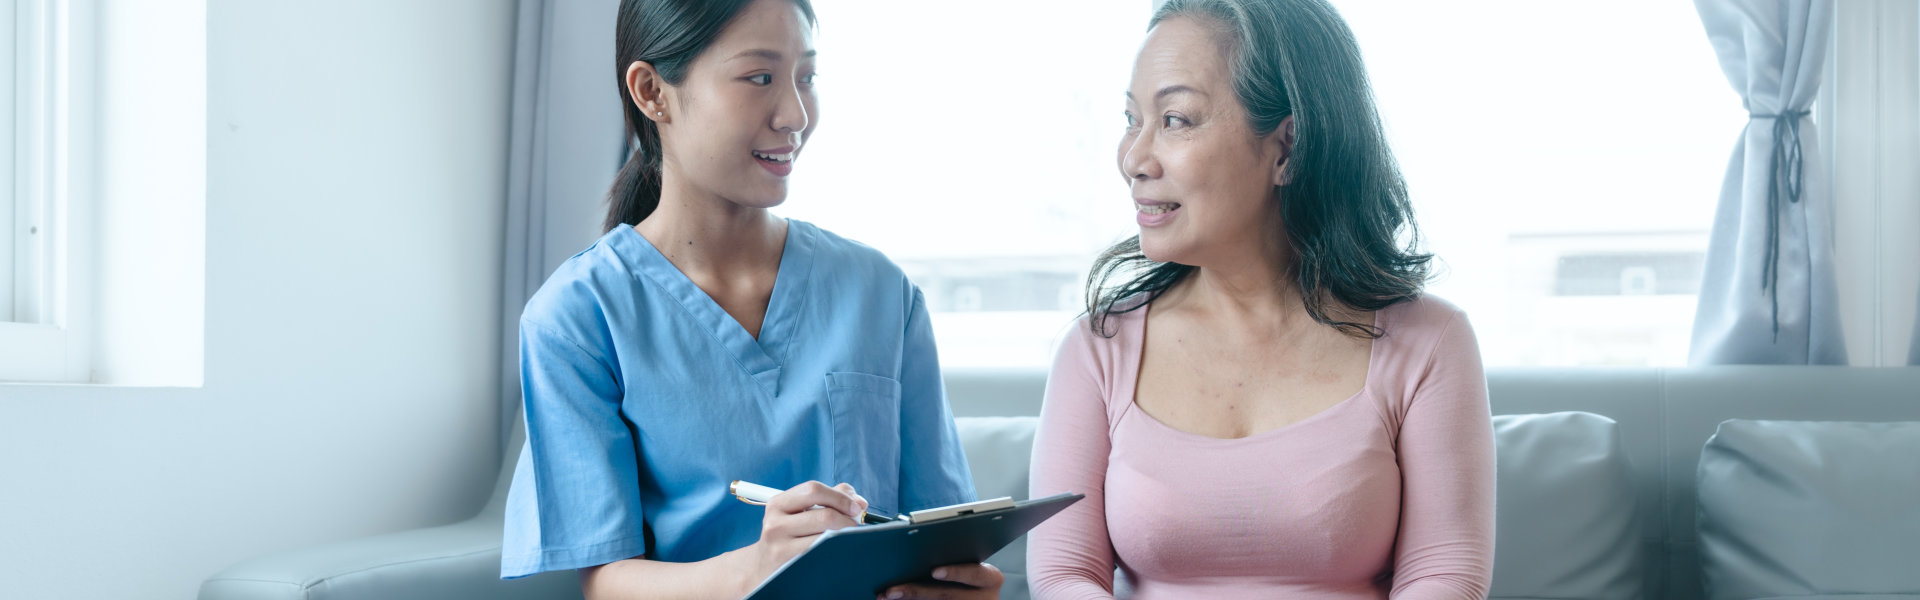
(759, 495)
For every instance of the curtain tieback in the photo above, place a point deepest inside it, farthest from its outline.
(1783, 178)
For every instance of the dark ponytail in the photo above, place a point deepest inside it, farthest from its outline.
(668, 34)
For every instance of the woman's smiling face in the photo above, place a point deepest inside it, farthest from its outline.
(1202, 181)
(746, 108)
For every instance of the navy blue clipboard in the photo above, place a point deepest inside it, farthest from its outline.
(858, 562)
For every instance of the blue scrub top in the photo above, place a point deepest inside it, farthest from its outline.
(644, 399)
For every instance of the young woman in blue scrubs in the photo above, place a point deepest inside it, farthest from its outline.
(704, 340)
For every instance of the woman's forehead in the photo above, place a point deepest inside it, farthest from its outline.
(775, 26)
(1180, 52)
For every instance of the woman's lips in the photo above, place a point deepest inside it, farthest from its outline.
(1153, 213)
(778, 161)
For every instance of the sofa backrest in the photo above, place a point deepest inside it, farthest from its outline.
(1664, 415)
(1567, 524)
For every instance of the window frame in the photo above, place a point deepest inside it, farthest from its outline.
(1868, 112)
(45, 338)
(8, 142)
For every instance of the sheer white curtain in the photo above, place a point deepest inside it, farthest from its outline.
(1768, 291)
(565, 148)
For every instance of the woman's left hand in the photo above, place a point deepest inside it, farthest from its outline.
(974, 582)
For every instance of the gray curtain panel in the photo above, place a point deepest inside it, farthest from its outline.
(1768, 294)
(566, 147)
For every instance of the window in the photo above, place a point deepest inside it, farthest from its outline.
(46, 85)
(1566, 180)
(35, 138)
(105, 218)
(995, 186)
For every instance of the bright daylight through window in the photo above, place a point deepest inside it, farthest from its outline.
(1566, 176)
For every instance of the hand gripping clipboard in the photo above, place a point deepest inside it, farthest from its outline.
(858, 562)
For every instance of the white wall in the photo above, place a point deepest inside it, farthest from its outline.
(147, 267)
(355, 187)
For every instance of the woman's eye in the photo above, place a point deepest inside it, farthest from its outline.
(809, 78)
(1130, 123)
(761, 79)
(1171, 121)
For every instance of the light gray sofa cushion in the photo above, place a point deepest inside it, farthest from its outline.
(461, 560)
(1567, 524)
(456, 561)
(998, 452)
(1806, 509)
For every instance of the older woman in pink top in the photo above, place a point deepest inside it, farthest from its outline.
(1261, 402)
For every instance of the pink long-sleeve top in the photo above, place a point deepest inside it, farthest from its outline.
(1388, 494)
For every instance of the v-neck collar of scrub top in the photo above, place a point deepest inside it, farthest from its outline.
(759, 358)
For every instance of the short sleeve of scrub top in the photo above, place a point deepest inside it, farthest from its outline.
(644, 399)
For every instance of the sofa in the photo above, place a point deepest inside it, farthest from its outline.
(1597, 491)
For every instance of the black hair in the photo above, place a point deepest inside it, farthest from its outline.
(1344, 206)
(668, 34)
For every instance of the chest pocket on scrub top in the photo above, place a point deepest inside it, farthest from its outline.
(866, 437)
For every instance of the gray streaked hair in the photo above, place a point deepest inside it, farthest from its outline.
(1344, 207)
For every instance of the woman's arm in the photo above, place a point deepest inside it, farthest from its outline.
(575, 502)
(723, 576)
(1069, 555)
(1445, 549)
(790, 526)
(933, 466)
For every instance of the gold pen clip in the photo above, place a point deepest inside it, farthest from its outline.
(734, 488)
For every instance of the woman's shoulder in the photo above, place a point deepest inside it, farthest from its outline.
(837, 257)
(1103, 343)
(1110, 325)
(1423, 316)
(575, 294)
(1425, 332)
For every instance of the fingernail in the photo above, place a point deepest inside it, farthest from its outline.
(940, 573)
(896, 595)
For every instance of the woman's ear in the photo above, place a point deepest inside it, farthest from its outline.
(646, 89)
(1282, 139)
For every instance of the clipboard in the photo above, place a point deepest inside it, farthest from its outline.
(858, 562)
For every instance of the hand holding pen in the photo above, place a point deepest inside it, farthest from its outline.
(953, 582)
(791, 524)
(760, 495)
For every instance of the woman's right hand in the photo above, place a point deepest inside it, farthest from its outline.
(791, 524)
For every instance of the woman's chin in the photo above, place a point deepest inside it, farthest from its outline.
(762, 199)
(1157, 249)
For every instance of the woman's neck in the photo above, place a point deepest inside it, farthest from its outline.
(703, 233)
(1250, 288)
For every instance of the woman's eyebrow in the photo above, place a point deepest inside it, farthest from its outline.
(773, 55)
(1169, 91)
